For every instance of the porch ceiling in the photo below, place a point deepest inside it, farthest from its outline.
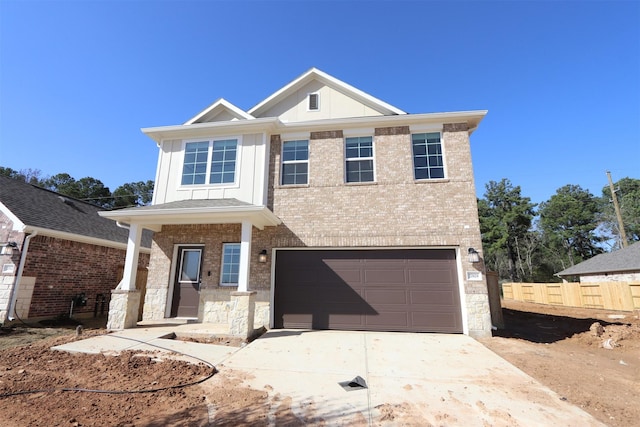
(216, 211)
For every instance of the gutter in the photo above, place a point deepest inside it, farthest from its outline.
(16, 282)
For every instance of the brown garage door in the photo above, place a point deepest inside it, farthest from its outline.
(376, 290)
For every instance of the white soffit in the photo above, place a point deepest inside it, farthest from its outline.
(220, 104)
(315, 74)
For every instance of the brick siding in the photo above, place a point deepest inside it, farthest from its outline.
(64, 268)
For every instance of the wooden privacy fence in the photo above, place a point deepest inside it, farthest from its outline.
(624, 296)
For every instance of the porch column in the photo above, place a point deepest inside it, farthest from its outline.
(125, 299)
(128, 282)
(245, 256)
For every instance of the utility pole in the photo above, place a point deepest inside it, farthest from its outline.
(623, 235)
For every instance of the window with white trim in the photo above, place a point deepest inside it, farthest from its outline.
(428, 162)
(314, 101)
(295, 162)
(230, 264)
(215, 159)
(359, 159)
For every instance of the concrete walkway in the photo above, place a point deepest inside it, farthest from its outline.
(157, 338)
(412, 379)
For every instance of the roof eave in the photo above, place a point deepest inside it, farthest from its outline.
(63, 235)
(205, 129)
(259, 216)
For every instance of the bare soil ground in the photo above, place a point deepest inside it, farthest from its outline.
(558, 346)
(596, 369)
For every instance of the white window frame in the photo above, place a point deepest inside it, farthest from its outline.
(211, 141)
(356, 159)
(225, 245)
(184, 251)
(317, 95)
(442, 155)
(290, 162)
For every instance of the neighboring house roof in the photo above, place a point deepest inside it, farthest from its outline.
(32, 208)
(626, 259)
(315, 74)
(202, 211)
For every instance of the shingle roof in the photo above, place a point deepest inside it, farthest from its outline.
(193, 204)
(626, 259)
(37, 207)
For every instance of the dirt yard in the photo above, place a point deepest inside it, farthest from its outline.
(596, 369)
(559, 347)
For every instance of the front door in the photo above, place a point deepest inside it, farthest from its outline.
(186, 289)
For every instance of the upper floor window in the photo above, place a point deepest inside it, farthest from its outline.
(314, 101)
(359, 159)
(213, 159)
(427, 156)
(295, 162)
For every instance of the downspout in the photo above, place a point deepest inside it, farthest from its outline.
(16, 283)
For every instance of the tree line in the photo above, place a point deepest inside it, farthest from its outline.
(522, 241)
(88, 189)
(528, 242)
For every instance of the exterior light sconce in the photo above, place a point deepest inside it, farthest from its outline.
(262, 256)
(8, 248)
(473, 256)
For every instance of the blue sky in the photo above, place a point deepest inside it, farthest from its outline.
(561, 80)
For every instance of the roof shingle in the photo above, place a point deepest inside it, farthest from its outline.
(41, 208)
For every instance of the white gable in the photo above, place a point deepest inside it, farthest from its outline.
(336, 99)
(220, 111)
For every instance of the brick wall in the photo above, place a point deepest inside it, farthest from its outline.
(63, 268)
(393, 211)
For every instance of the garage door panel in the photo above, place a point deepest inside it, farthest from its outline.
(349, 276)
(434, 276)
(381, 276)
(389, 319)
(385, 296)
(435, 298)
(439, 322)
(390, 290)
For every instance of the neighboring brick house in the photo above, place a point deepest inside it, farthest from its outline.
(55, 248)
(321, 207)
(622, 265)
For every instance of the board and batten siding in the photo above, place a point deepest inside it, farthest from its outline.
(333, 105)
(251, 169)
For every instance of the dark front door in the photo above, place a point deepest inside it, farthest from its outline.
(186, 289)
(412, 290)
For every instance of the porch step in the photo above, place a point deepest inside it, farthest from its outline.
(168, 322)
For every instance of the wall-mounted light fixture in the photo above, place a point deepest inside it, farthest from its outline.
(8, 248)
(262, 256)
(473, 256)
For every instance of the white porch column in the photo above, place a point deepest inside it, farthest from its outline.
(245, 255)
(128, 282)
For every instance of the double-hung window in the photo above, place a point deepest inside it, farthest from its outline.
(210, 162)
(359, 159)
(230, 264)
(295, 162)
(427, 156)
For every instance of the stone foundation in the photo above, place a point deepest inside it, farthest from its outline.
(479, 315)
(241, 315)
(123, 309)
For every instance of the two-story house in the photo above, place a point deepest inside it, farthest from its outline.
(322, 207)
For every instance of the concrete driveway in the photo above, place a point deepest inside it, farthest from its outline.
(412, 379)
